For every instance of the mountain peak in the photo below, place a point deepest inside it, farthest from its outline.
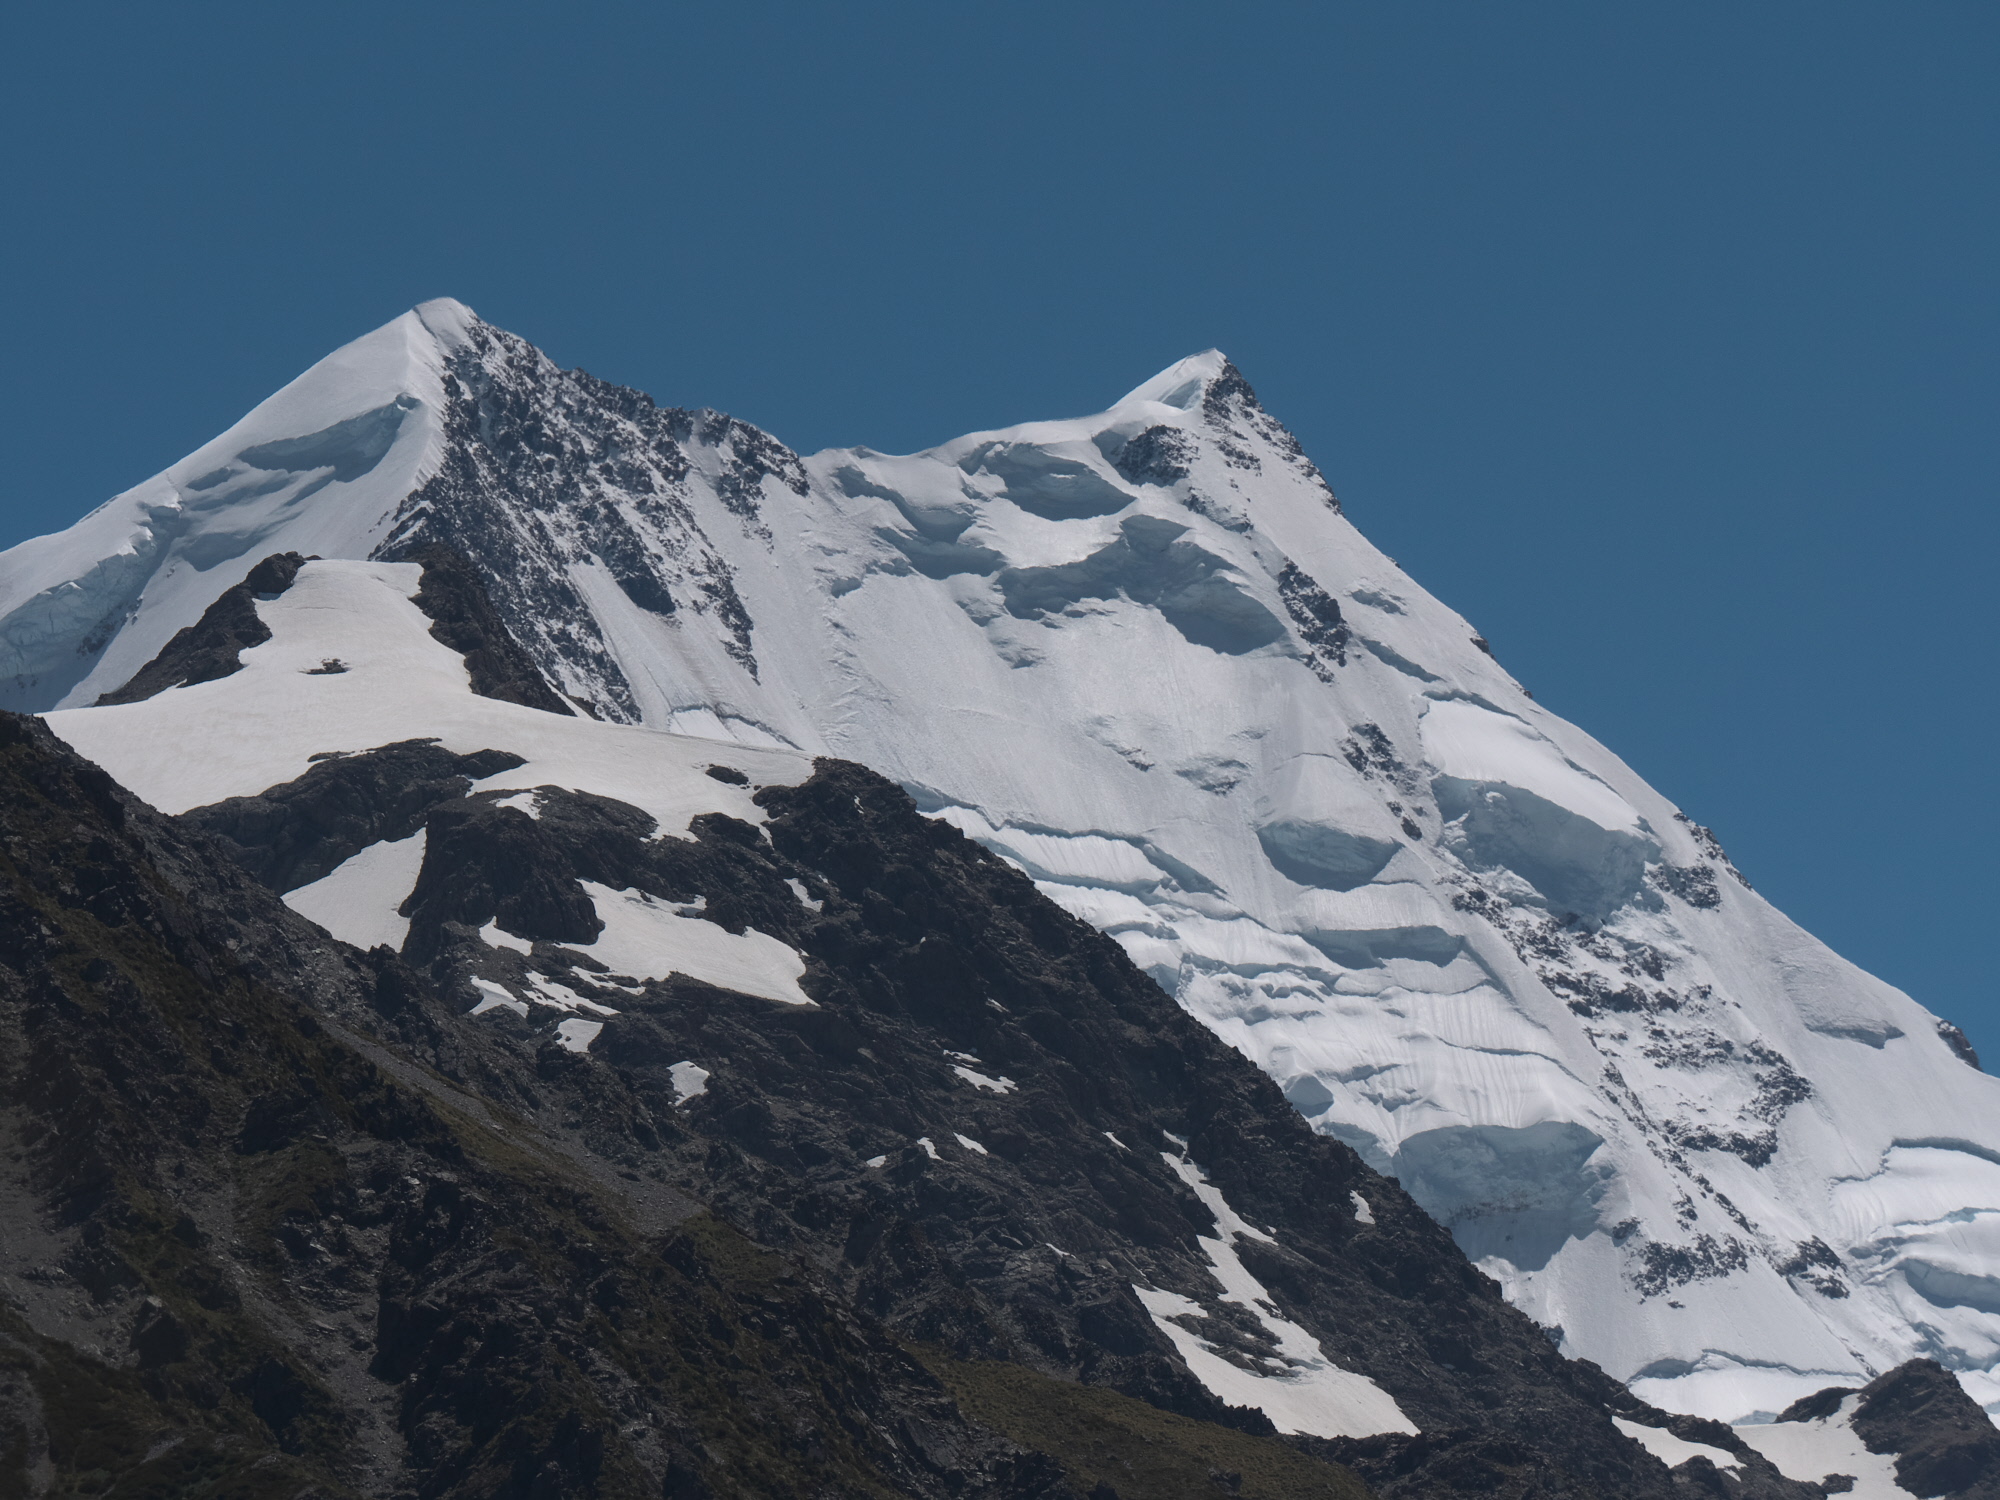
(1182, 383)
(447, 319)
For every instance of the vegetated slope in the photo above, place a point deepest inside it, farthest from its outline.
(532, 1203)
(1144, 657)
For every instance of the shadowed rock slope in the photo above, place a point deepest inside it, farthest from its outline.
(282, 1220)
(251, 1250)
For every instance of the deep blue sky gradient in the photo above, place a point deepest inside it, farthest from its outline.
(1659, 340)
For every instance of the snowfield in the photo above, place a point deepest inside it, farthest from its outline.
(1142, 655)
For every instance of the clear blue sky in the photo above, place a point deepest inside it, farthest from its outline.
(1658, 339)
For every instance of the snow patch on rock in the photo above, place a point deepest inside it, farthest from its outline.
(1296, 1386)
(1673, 1451)
(649, 938)
(982, 1081)
(495, 997)
(1813, 1450)
(690, 1080)
(492, 935)
(358, 902)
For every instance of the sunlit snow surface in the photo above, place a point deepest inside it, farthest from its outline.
(646, 938)
(1142, 656)
(690, 1081)
(1673, 1451)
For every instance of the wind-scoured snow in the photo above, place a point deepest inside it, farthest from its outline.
(1482, 747)
(1142, 655)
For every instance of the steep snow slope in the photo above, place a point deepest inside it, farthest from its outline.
(1144, 656)
(312, 465)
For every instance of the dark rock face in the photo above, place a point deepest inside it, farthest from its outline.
(1316, 616)
(267, 1238)
(1945, 1445)
(290, 1221)
(212, 647)
(1821, 1403)
(957, 1007)
(1694, 884)
(1159, 455)
(1959, 1043)
(462, 617)
(294, 834)
(1235, 415)
(545, 468)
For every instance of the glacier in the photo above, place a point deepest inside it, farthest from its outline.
(1144, 656)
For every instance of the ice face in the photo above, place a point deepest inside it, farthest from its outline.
(1514, 1194)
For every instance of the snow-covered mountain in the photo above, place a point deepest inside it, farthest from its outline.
(1144, 656)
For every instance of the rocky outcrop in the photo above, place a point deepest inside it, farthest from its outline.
(265, 1240)
(212, 647)
(462, 617)
(294, 834)
(1944, 1444)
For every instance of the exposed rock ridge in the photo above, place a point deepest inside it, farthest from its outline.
(1945, 1445)
(462, 617)
(212, 647)
(550, 477)
(272, 1233)
(300, 832)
